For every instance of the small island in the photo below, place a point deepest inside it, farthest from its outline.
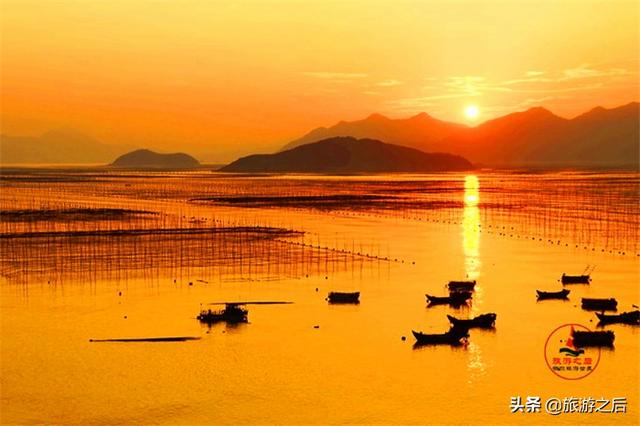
(144, 158)
(349, 155)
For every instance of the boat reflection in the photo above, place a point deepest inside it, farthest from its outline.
(417, 346)
(224, 327)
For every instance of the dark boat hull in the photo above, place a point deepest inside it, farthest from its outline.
(454, 299)
(481, 321)
(599, 304)
(338, 297)
(461, 285)
(229, 315)
(631, 318)
(562, 294)
(583, 339)
(451, 337)
(575, 279)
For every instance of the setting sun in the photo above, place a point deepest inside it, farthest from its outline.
(471, 112)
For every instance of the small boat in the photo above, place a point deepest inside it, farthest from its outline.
(454, 336)
(232, 313)
(599, 304)
(562, 294)
(576, 279)
(338, 297)
(583, 339)
(632, 318)
(461, 285)
(455, 298)
(481, 321)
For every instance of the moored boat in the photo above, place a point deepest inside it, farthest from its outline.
(461, 285)
(599, 304)
(583, 339)
(452, 337)
(340, 297)
(232, 313)
(632, 318)
(481, 321)
(576, 279)
(562, 294)
(454, 298)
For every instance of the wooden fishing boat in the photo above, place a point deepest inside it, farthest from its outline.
(461, 285)
(599, 304)
(452, 337)
(632, 318)
(456, 298)
(583, 339)
(338, 297)
(481, 321)
(232, 313)
(562, 294)
(576, 279)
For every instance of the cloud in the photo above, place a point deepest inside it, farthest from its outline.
(528, 79)
(473, 85)
(388, 83)
(531, 88)
(562, 89)
(336, 76)
(453, 88)
(585, 71)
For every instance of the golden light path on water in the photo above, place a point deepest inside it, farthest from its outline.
(471, 227)
(471, 249)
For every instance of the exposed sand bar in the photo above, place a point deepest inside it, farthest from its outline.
(267, 302)
(279, 232)
(149, 339)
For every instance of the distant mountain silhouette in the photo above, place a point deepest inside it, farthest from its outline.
(144, 158)
(420, 131)
(601, 137)
(57, 146)
(349, 155)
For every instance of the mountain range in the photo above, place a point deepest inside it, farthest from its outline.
(57, 146)
(536, 137)
(349, 155)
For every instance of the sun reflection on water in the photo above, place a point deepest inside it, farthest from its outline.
(471, 227)
(471, 248)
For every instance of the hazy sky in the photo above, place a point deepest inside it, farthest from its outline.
(241, 76)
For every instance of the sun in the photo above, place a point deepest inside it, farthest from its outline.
(471, 112)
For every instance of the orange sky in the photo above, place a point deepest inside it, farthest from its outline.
(234, 77)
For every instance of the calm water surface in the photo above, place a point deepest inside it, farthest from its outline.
(513, 232)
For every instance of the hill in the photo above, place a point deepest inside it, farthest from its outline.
(420, 131)
(349, 155)
(144, 158)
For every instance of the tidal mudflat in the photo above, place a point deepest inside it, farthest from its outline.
(134, 256)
